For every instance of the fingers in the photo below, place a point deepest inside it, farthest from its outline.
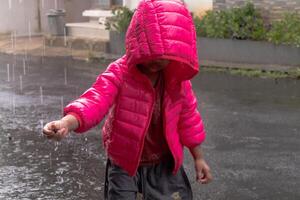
(60, 134)
(205, 176)
(57, 136)
(200, 176)
(203, 173)
(49, 129)
(54, 126)
(53, 130)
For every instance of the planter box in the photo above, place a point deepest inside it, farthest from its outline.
(232, 53)
(116, 43)
(247, 52)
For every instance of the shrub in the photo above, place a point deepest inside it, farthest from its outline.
(121, 19)
(286, 31)
(246, 23)
(214, 24)
(236, 23)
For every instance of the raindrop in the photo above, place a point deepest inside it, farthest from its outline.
(65, 36)
(21, 83)
(13, 72)
(13, 105)
(8, 73)
(24, 66)
(41, 95)
(56, 146)
(9, 4)
(62, 104)
(29, 31)
(71, 51)
(44, 47)
(15, 57)
(42, 126)
(65, 72)
(50, 160)
(41, 182)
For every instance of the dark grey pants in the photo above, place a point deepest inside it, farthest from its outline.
(154, 182)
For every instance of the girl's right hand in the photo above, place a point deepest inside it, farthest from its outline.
(56, 130)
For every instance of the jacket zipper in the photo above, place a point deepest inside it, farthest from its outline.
(143, 140)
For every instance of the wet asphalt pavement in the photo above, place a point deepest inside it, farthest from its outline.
(252, 146)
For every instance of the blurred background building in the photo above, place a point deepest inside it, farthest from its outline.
(29, 17)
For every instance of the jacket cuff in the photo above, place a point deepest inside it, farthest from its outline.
(196, 140)
(80, 122)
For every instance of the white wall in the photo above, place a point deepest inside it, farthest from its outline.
(132, 4)
(199, 6)
(22, 15)
(75, 8)
(19, 15)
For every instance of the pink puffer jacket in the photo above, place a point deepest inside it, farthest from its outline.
(159, 29)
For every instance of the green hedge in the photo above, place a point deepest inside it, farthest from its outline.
(286, 31)
(237, 23)
(246, 23)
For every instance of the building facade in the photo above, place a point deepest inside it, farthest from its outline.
(29, 17)
(270, 9)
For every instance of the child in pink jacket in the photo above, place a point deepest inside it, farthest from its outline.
(151, 107)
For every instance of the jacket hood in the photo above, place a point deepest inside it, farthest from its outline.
(163, 29)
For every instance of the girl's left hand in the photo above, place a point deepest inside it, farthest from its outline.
(203, 173)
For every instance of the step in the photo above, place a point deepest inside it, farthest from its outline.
(79, 43)
(87, 30)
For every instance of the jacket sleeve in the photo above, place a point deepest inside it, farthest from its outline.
(91, 107)
(191, 127)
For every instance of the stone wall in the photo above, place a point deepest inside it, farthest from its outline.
(270, 9)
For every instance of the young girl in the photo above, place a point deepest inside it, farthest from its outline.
(152, 107)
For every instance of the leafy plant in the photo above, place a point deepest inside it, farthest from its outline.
(286, 31)
(214, 24)
(237, 23)
(121, 19)
(246, 23)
